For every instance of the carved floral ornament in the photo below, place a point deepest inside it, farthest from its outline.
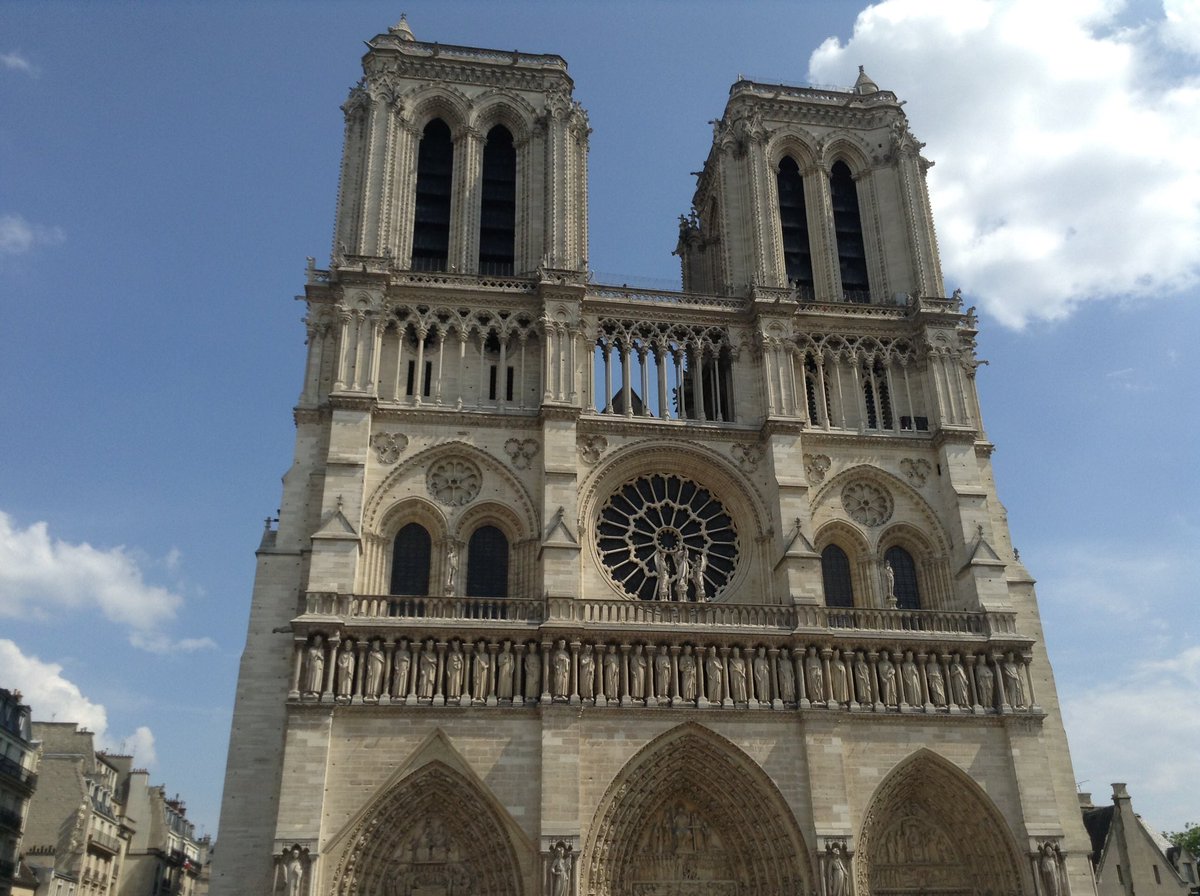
(915, 470)
(454, 481)
(816, 466)
(592, 447)
(521, 452)
(748, 455)
(389, 446)
(867, 503)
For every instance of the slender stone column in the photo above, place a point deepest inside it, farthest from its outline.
(419, 379)
(698, 382)
(298, 646)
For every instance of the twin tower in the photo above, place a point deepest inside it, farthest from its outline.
(590, 589)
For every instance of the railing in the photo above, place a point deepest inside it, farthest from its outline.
(106, 842)
(407, 609)
(662, 296)
(10, 768)
(906, 621)
(656, 613)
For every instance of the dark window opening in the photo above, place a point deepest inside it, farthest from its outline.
(847, 226)
(492, 382)
(412, 378)
(428, 378)
(410, 561)
(793, 221)
(487, 563)
(872, 377)
(498, 207)
(905, 572)
(835, 571)
(921, 423)
(811, 386)
(508, 386)
(431, 221)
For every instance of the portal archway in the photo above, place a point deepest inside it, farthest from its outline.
(930, 829)
(692, 814)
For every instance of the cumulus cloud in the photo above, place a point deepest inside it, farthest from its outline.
(15, 61)
(54, 698)
(1068, 156)
(40, 575)
(18, 236)
(1141, 730)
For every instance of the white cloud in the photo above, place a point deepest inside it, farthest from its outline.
(54, 698)
(1067, 167)
(40, 576)
(1142, 730)
(15, 61)
(18, 236)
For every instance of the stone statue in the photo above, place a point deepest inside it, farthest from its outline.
(612, 673)
(959, 687)
(699, 568)
(762, 676)
(662, 674)
(314, 681)
(937, 685)
(637, 673)
(345, 671)
(481, 668)
(837, 670)
(887, 681)
(985, 683)
(587, 672)
(401, 664)
(737, 677)
(454, 672)
(814, 677)
(890, 575)
(451, 569)
(1012, 683)
(375, 661)
(912, 680)
(1048, 869)
(862, 679)
(560, 671)
(504, 673)
(426, 671)
(714, 671)
(687, 674)
(683, 570)
(560, 870)
(662, 587)
(786, 676)
(292, 865)
(837, 876)
(533, 674)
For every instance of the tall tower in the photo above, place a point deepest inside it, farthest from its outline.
(581, 589)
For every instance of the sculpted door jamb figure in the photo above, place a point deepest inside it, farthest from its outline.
(316, 668)
(687, 675)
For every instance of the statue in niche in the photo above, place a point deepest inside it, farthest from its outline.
(612, 673)
(959, 687)
(314, 682)
(887, 681)
(533, 674)
(687, 674)
(560, 671)
(912, 680)
(737, 677)
(837, 670)
(451, 569)
(662, 588)
(985, 682)
(837, 875)
(481, 668)
(699, 568)
(504, 673)
(762, 676)
(787, 677)
(401, 664)
(375, 662)
(1049, 869)
(1012, 683)
(587, 672)
(426, 671)
(345, 671)
(560, 869)
(662, 673)
(937, 685)
(454, 672)
(290, 871)
(889, 575)
(862, 679)
(714, 671)
(814, 677)
(637, 673)
(683, 570)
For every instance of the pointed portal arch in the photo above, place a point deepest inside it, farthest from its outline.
(433, 832)
(691, 814)
(931, 829)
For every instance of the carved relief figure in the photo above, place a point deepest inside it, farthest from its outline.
(315, 680)
(662, 587)
(985, 681)
(401, 664)
(454, 672)
(683, 571)
(814, 677)
(699, 568)
(762, 676)
(533, 674)
(1048, 869)
(291, 865)
(959, 687)
(1013, 685)
(887, 681)
(786, 676)
(560, 870)
(374, 682)
(662, 674)
(912, 680)
(737, 677)
(837, 876)
(504, 673)
(481, 668)
(345, 671)
(612, 673)
(426, 671)
(587, 672)
(560, 670)
(937, 685)
(862, 679)
(451, 569)
(837, 671)
(889, 576)
(637, 673)
(687, 674)
(714, 671)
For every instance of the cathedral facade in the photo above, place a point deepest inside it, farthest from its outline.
(580, 589)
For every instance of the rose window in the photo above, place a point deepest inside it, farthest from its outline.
(454, 482)
(867, 503)
(662, 537)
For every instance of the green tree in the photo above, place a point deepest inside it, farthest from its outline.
(1188, 838)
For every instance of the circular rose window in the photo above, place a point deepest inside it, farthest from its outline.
(662, 537)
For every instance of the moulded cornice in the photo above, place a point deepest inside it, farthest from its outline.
(954, 435)
(616, 425)
(451, 416)
(816, 438)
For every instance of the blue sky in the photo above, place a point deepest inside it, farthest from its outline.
(166, 168)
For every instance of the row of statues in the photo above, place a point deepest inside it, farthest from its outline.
(458, 671)
(676, 569)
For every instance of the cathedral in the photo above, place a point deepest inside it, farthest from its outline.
(580, 589)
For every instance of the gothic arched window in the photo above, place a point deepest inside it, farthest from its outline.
(487, 563)
(847, 226)
(431, 221)
(410, 561)
(876, 396)
(905, 571)
(835, 570)
(498, 208)
(793, 222)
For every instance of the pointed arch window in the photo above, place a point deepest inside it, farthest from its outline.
(908, 595)
(793, 222)
(876, 396)
(835, 570)
(431, 221)
(487, 563)
(847, 226)
(498, 207)
(410, 561)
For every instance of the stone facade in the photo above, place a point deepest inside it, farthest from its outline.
(18, 779)
(164, 855)
(1128, 855)
(585, 589)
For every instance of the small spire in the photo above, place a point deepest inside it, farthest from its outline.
(864, 84)
(401, 29)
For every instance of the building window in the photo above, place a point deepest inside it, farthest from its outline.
(487, 563)
(847, 226)
(1157, 876)
(410, 561)
(1120, 876)
(793, 222)
(905, 572)
(498, 208)
(835, 570)
(876, 397)
(431, 222)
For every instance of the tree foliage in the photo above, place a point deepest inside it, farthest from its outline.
(1188, 838)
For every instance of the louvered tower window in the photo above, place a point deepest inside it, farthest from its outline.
(431, 222)
(793, 221)
(498, 210)
(487, 563)
(410, 561)
(847, 225)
